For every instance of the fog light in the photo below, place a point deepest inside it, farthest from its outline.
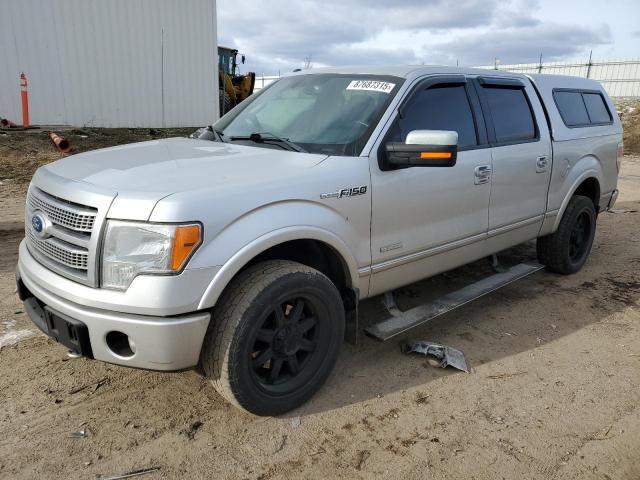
(120, 344)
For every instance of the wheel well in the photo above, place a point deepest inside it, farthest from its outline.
(590, 188)
(312, 253)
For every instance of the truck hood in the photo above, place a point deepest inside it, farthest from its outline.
(162, 167)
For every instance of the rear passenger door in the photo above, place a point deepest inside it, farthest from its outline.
(521, 155)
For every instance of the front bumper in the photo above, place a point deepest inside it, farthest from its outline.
(161, 343)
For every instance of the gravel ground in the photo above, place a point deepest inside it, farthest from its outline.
(553, 392)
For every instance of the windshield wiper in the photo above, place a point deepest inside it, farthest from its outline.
(266, 137)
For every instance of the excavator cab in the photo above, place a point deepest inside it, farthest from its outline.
(233, 87)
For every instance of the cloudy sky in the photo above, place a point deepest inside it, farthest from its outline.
(279, 35)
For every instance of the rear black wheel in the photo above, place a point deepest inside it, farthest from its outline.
(567, 250)
(274, 337)
(580, 238)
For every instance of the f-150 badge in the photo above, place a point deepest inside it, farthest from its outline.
(346, 192)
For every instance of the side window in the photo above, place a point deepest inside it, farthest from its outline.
(511, 114)
(442, 107)
(596, 108)
(581, 108)
(571, 108)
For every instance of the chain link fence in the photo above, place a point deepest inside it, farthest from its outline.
(621, 78)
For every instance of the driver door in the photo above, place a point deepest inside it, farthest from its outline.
(427, 219)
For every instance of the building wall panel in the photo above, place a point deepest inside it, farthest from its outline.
(116, 63)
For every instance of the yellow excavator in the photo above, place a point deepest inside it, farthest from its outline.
(234, 87)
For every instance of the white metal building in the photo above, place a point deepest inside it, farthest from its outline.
(115, 63)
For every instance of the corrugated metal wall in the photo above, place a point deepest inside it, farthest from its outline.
(115, 63)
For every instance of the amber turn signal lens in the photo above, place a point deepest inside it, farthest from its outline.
(186, 240)
(435, 154)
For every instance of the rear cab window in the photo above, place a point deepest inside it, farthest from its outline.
(511, 113)
(596, 108)
(581, 108)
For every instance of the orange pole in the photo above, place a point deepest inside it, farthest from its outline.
(25, 100)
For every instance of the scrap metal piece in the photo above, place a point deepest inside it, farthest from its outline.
(84, 433)
(448, 356)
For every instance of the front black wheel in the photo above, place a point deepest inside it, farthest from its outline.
(274, 337)
(567, 250)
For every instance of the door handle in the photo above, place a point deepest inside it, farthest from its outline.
(482, 174)
(541, 164)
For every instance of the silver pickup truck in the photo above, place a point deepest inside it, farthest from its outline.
(246, 249)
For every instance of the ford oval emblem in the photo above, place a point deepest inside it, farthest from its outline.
(39, 224)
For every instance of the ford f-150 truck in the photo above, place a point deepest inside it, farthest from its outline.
(245, 249)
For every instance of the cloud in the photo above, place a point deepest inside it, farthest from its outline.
(520, 45)
(355, 55)
(278, 35)
(518, 13)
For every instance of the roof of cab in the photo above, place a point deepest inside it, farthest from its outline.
(407, 71)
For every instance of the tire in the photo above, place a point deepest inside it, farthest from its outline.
(567, 250)
(268, 363)
(225, 102)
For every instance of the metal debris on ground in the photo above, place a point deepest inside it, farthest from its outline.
(448, 356)
(135, 473)
(84, 433)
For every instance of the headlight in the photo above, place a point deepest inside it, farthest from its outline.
(134, 248)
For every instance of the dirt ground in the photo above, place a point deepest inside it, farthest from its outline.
(553, 392)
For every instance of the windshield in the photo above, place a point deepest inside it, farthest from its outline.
(333, 114)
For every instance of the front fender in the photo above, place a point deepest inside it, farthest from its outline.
(271, 239)
(269, 225)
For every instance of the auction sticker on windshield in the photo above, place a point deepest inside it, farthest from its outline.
(372, 85)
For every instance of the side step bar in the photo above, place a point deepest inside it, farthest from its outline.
(400, 321)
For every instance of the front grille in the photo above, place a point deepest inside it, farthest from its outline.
(68, 243)
(66, 214)
(61, 252)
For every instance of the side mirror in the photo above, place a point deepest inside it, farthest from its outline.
(424, 148)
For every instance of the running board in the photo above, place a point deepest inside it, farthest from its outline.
(400, 321)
